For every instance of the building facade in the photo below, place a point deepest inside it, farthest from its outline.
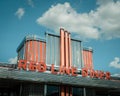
(55, 66)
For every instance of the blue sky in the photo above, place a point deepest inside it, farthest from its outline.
(95, 22)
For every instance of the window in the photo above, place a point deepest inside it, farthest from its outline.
(32, 90)
(53, 50)
(90, 92)
(77, 91)
(76, 54)
(52, 90)
(101, 92)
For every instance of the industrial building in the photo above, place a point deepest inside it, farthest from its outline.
(55, 66)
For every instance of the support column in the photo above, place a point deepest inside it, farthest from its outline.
(62, 91)
(45, 90)
(84, 91)
(21, 89)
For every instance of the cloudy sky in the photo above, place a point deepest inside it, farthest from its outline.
(95, 22)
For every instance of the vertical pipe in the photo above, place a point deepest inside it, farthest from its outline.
(70, 55)
(66, 49)
(62, 47)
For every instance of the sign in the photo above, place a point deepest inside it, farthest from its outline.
(42, 67)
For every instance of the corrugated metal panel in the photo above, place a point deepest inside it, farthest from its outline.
(76, 54)
(21, 53)
(32, 48)
(33, 51)
(87, 58)
(28, 38)
(53, 50)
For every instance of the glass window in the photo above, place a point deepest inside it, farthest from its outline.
(32, 90)
(90, 92)
(101, 93)
(77, 91)
(53, 50)
(76, 54)
(52, 90)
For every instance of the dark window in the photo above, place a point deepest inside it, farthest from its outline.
(52, 90)
(77, 91)
(101, 93)
(90, 92)
(32, 90)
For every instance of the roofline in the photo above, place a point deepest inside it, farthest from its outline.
(28, 38)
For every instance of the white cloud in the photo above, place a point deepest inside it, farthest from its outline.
(20, 12)
(115, 63)
(63, 15)
(103, 2)
(116, 75)
(12, 60)
(102, 22)
(106, 17)
(30, 2)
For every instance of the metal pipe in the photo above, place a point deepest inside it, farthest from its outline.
(66, 49)
(70, 54)
(62, 47)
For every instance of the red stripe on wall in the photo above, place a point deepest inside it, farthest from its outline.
(41, 55)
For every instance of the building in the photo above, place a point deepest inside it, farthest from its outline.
(55, 66)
